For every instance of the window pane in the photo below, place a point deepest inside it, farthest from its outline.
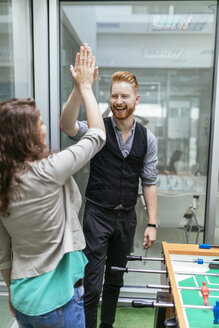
(15, 78)
(216, 235)
(15, 50)
(169, 46)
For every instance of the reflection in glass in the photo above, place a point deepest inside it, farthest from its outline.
(15, 79)
(15, 50)
(216, 235)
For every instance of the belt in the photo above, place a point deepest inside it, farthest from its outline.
(78, 283)
(108, 209)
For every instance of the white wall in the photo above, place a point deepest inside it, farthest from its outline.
(155, 50)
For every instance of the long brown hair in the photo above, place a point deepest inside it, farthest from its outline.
(20, 142)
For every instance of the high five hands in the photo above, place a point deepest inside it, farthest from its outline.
(84, 72)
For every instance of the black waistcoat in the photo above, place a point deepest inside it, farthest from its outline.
(114, 179)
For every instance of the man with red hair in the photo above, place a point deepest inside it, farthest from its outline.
(109, 221)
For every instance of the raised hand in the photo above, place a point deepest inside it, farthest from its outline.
(84, 72)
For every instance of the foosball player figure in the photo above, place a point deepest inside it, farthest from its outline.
(216, 312)
(205, 293)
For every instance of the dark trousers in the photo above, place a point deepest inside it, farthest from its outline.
(109, 236)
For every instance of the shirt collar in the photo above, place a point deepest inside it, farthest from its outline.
(116, 127)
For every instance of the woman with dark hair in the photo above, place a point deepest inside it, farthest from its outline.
(41, 240)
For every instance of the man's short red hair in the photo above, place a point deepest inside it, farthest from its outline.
(125, 77)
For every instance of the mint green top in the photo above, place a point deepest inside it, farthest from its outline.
(45, 293)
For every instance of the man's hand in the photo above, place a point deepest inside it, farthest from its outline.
(149, 237)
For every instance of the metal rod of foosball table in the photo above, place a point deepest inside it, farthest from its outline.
(197, 288)
(203, 307)
(138, 270)
(143, 258)
(198, 261)
(179, 287)
(153, 304)
(141, 304)
(164, 272)
(161, 259)
(197, 273)
(158, 286)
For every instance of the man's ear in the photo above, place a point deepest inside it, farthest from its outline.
(137, 99)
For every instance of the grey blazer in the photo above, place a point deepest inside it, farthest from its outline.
(43, 224)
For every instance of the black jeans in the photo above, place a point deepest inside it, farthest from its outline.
(109, 236)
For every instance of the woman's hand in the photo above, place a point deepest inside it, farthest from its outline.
(9, 303)
(84, 72)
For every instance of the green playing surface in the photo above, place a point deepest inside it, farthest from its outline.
(198, 318)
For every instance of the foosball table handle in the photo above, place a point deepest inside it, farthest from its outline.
(119, 269)
(171, 322)
(208, 246)
(133, 258)
(142, 304)
(151, 304)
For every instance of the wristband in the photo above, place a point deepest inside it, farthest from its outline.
(153, 225)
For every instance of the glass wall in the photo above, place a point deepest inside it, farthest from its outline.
(15, 50)
(169, 46)
(15, 78)
(216, 240)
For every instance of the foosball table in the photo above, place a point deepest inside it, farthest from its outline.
(189, 294)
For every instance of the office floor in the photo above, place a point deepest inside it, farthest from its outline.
(128, 317)
(6, 320)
